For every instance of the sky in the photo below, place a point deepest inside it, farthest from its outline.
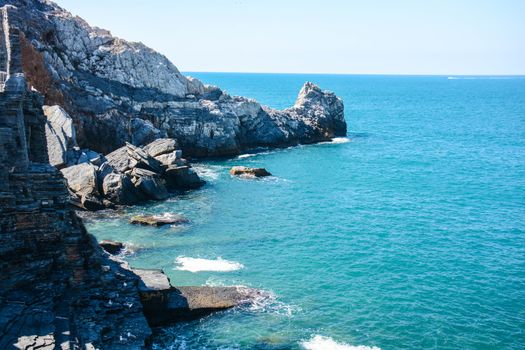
(445, 37)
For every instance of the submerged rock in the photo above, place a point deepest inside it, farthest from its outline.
(158, 220)
(250, 172)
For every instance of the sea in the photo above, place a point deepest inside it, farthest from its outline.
(408, 233)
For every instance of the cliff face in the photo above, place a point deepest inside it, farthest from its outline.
(115, 90)
(57, 288)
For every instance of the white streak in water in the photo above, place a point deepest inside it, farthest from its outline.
(198, 264)
(318, 342)
(340, 140)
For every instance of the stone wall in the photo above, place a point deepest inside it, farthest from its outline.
(57, 288)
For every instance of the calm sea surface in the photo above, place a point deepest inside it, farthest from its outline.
(410, 234)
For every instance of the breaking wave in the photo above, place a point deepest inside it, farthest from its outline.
(319, 342)
(198, 264)
(208, 172)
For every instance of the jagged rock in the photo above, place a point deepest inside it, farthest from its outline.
(143, 159)
(82, 179)
(173, 158)
(182, 177)
(130, 175)
(158, 220)
(111, 247)
(119, 189)
(57, 289)
(251, 172)
(152, 187)
(119, 92)
(89, 156)
(143, 132)
(161, 146)
(60, 135)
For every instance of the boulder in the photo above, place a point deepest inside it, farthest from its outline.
(152, 187)
(120, 160)
(161, 146)
(82, 179)
(111, 247)
(173, 158)
(89, 156)
(143, 159)
(182, 177)
(119, 189)
(250, 172)
(60, 136)
(158, 220)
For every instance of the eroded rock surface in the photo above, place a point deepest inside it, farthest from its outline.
(158, 220)
(249, 172)
(130, 175)
(117, 91)
(57, 289)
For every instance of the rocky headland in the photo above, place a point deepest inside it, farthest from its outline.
(94, 120)
(117, 91)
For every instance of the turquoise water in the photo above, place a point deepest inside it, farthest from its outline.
(411, 235)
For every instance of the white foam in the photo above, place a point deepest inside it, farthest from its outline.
(198, 264)
(340, 140)
(248, 155)
(208, 172)
(319, 342)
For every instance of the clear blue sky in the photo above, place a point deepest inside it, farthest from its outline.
(329, 36)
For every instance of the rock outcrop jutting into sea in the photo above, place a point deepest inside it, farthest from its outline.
(117, 91)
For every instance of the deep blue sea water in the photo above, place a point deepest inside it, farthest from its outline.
(410, 235)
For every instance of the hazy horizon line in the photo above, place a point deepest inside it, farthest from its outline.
(376, 74)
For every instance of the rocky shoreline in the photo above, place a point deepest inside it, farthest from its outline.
(94, 121)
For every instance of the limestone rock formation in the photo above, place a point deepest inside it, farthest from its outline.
(117, 91)
(60, 135)
(130, 175)
(57, 289)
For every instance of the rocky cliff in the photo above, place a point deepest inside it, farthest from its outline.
(117, 91)
(57, 288)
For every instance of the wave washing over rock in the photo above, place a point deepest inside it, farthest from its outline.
(118, 91)
(319, 342)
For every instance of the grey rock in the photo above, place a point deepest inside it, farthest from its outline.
(119, 92)
(168, 159)
(111, 247)
(161, 146)
(143, 132)
(182, 177)
(119, 189)
(82, 179)
(152, 187)
(165, 304)
(57, 289)
(60, 135)
(158, 220)
(250, 172)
